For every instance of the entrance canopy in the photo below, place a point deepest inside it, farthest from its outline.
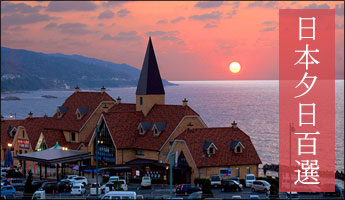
(55, 155)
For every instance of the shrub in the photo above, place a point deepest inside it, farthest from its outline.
(117, 186)
(205, 184)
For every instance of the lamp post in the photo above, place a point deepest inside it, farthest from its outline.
(171, 166)
(96, 150)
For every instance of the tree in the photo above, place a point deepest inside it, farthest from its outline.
(28, 184)
(117, 186)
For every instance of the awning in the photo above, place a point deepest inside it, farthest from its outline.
(55, 155)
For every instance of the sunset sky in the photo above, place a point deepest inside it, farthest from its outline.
(192, 40)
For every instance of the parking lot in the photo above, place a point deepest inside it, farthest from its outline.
(162, 191)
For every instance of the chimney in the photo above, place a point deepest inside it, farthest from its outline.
(103, 90)
(234, 125)
(118, 100)
(30, 114)
(2, 118)
(105, 108)
(77, 89)
(184, 102)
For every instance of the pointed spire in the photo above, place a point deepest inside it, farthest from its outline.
(150, 81)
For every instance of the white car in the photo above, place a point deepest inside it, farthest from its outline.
(145, 182)
(112, 179)
(107, 187)
(250, 178)
(93, 189)
(120, 195)
(3, 171)
(81, 179)
(78, 189)
(39, 194)
(123, 184)
(71, 176)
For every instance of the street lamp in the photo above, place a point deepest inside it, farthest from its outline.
(9, 145)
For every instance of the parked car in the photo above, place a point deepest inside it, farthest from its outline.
(250, 178)
(123, 184)
(187, 189)
(236, 179)
(65, 185)
(215, 181)
(39, 195)
(195, 195)
(93, 189)
(261, 186)
(81, 179)
(7, 190)
(3, 172)
(49, 187)
(18, 183)
(146, 182)
(112, 179)
(108, 187)
(294, 195)
(120, 195)
(71, 176)
(78, 189)
(231, 185)
(338, 191)
(37, 184)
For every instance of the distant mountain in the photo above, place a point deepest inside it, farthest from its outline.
(23, 70)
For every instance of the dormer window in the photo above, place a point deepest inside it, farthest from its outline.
(209, 147)
(143, 127)
(12, 131)
(211, 150)
(81, 112)
(158, 127)
(61, 110)
(237, 146)
(238, 149)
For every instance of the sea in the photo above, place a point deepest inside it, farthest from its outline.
(254, 105)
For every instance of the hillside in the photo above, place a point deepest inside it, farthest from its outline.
(23, 70)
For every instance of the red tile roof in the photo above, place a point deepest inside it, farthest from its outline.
(123, 124)
(5, 137)
(35, 126)
(88, 100)
(53, 136)
(221, 137)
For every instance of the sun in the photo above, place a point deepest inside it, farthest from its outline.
(235, 67)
